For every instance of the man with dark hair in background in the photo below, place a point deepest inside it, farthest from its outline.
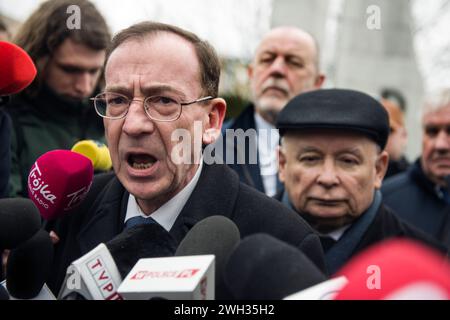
(54, 113)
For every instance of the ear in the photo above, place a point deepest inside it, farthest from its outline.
(381, 166)
(281, 163)
(214, 120)
(320, 79)
(250, 70)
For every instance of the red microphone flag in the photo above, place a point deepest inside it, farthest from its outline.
(17, 70)
(396, 270)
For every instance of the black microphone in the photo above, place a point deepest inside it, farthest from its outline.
(29, 266)
(102, 269)
(215, 235)
(3, 294)
(139, 242)
(19, 221)
(265, 268)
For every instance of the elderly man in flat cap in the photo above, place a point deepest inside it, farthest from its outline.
(332, 163)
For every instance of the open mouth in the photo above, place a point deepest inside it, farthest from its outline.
(141, 161)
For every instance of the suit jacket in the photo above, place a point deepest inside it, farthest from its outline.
(249, 173)
(218, 192)
(367, 231)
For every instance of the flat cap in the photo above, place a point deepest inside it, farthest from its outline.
(336, 109)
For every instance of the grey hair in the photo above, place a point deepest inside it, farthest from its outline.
(436, 100)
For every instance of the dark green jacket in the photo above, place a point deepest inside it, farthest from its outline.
(46, 122)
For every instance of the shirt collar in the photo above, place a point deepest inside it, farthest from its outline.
(261, 123)
(168, 212)
(337, 234)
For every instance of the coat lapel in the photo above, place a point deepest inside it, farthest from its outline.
(249, 173)
(215, 194)
(107, 220)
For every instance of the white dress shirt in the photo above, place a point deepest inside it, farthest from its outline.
(268, 139)
(168, 212)
(337, 234)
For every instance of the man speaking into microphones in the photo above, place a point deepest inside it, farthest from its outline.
(162, 81)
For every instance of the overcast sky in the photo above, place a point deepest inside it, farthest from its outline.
(235, 26)
(432, 41)
(232, 26)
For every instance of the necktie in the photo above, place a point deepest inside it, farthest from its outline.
(138, 220)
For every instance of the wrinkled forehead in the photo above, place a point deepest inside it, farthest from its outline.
(164, 58)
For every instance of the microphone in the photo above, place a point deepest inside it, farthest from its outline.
(29, 265)
(216, 235)
(3, 294)
(98, 274)
(138, 242)
(19, 221)
(396, 269)
(172, 278)
(265, 268)
(97, 152)
(58, 182)
(17, 70)
(326, 290)
(191, 274)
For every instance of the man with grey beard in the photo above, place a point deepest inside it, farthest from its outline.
(286, 63)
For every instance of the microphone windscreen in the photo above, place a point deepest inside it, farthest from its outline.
(19, 221)
(3, 294)
(29, 266)
(139, 242)
(215, 235)
(263, 268)
(17, 70)
(58, 182)
(396, 270)
(96, 151)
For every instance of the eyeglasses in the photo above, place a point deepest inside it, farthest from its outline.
(114, 106)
